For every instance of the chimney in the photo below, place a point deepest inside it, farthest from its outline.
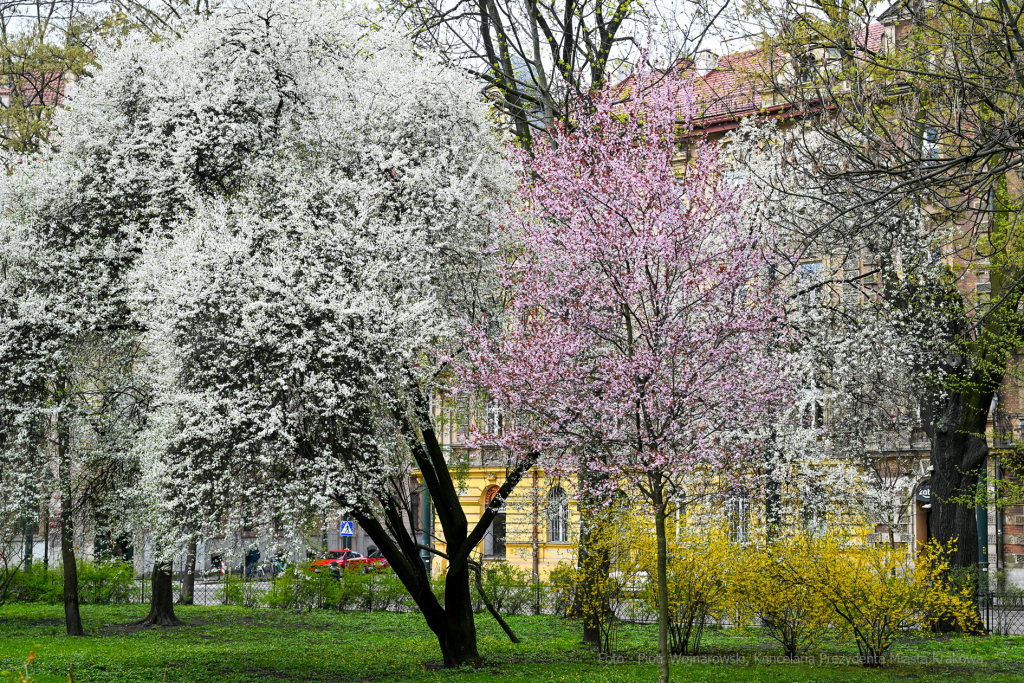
(705, 62)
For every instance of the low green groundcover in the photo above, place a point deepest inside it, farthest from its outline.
(228, 644)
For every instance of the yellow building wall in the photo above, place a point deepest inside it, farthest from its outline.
(520, 514)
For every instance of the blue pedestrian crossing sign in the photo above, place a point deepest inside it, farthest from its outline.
(346, 529)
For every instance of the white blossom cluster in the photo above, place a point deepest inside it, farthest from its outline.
(287, 208)
(868, 349)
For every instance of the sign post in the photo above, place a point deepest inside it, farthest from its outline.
(345, 534)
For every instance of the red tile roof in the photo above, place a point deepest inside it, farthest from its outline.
(734, 88)
(37, 89)
(875, 32)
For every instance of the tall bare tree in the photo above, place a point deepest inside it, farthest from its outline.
(536, 57)
(44, 48)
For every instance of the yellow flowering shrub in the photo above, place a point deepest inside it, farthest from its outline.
(611, 572)
(699, 567)
(876, 592)
(797, 588)
(768, 584)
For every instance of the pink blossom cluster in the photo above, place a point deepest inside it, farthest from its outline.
(643, 330)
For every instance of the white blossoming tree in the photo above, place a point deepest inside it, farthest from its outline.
(302, 202)
(68, 401)
(292, 310)
(867, 307)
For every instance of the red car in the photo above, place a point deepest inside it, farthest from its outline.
(343, 559)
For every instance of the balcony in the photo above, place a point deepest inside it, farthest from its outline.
(477, 457)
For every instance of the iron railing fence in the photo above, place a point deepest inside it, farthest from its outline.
(1002, 613)
(374, 591)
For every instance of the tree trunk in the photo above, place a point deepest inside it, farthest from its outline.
(458, 641)
(958, 451)
(586, 597)
(584, 605)
(453, 623)
(535, 546)
(161, 604)
(662, 540)
(46, 535)
(72, 614)
(959, 447)
(772, 499)
(958, 426)
(29, 541)
(592, 600)
(591, 631)
(188, 581)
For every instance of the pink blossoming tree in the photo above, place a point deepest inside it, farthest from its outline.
(642, 337)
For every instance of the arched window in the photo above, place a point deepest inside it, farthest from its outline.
(494, 538)
(558, 515)
(495, 418)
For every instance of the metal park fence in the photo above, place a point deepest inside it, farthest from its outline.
(512, 593)
(298, 588)
(209, 589)
(1002, 613)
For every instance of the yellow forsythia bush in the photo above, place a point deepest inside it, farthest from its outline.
(874, 592)
(798, 587)
(619, 570)
(699, 568)
(611, 572)
(769, 585)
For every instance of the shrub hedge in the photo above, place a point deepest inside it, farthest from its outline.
(103, 582)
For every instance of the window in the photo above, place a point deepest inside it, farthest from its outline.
(812, 415)
(558, 515)
(810, 403)
(495, 420)
(930, 146)
(814, 522)
(680, 515)
(811, 271)
(813, 512)
(812, 407)
(461, 417)
(805, 70)
(809, 279)
(736, 178)
(739, 519)
(494, 538)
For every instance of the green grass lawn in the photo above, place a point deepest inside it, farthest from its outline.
(228, 644)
